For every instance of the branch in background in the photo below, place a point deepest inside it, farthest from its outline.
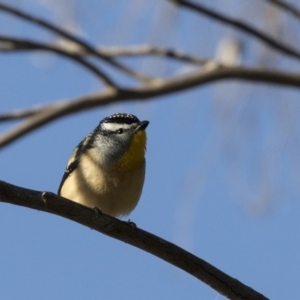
(154, 51)
(131, 51)
(9, 42)
(241, 26)
(90, 49)
(46, 114)
(17, 114)
(47, 25)
(286, 6)
(144, 50)
(124, 231)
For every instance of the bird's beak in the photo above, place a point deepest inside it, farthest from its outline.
(142, 126)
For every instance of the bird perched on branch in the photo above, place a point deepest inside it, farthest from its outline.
(107, 169)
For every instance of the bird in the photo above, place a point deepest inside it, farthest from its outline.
(106, 170)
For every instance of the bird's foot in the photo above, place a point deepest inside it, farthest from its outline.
(98, 211)
(132, 225)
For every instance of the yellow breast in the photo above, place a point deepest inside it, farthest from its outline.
(134, 155)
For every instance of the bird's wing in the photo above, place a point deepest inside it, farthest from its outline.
(70, 168)
(74, 160)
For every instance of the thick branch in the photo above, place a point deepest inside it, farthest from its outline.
(241, 26)
(123, 231)
(46, 114)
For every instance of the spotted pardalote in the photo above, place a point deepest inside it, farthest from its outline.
(107, 169)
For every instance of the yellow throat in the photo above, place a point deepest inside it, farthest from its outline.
(134, 155)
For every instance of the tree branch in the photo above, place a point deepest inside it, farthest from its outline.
(18, 114)
(43, 115)
(123, 231)
(267, 39)
(15, 44)
(153, 50)
(135, 51)
(90, 49)
(34, 45)
(25, 16)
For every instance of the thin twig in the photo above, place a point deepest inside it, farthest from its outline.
(76, 40)
(131, 51)
(34, 45)
(47, 25)
(18, 114)
(286, 6)
(135, 51)
(13, 44)
(156, 88)
(241, 26)
(153, 50)
(123, 231)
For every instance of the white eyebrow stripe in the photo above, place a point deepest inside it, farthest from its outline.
(116, 126)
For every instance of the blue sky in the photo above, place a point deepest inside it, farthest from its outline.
(222, 165)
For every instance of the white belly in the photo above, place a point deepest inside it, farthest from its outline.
(114, 195)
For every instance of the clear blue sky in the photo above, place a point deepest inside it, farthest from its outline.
(222, 168)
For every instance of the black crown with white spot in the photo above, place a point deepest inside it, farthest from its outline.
(121, 118)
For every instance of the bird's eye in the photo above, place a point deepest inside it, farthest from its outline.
(120, 131)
